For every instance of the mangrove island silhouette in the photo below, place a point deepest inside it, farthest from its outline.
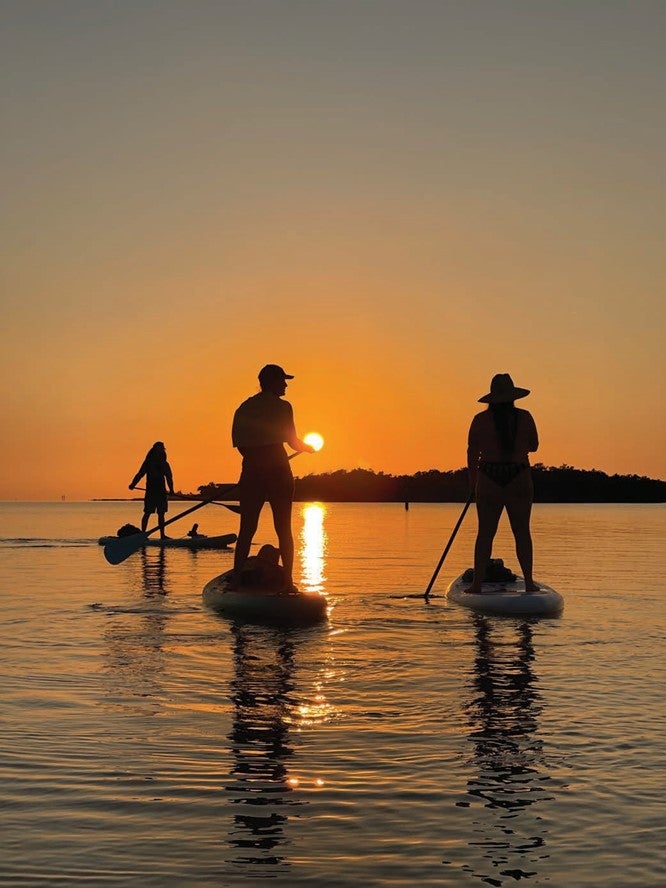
(564, 484)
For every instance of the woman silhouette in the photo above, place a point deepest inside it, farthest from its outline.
(158, 475)
(499, 441)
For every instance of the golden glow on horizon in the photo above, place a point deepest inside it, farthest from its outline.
(392, 261)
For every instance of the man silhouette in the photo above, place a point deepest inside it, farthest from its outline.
(261, 426)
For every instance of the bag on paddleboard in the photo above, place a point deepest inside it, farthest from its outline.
(128, 530)
(495, 573)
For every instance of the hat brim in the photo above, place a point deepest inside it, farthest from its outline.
(505, 397)
(268, 376)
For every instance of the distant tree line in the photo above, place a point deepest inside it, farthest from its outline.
(564, 484)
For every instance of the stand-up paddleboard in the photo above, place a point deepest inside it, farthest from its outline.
(222, 541)
(258, 605)
(506, 597)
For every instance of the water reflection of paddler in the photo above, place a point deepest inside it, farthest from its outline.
(135, 656)
(153, 567)
(264, 664)
(508, 759)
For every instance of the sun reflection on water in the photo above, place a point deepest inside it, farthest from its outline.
(314, 712)
(312, 549)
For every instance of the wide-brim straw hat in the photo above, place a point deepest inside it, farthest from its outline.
(503, 391)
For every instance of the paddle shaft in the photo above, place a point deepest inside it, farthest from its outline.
(181, 515)
(177, 496)
(235, 509)
(448, 546)
(117, 550)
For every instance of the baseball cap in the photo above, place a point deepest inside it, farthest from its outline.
(272, 371)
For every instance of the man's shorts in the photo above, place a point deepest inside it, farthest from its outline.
(155, 501)
(266, 482)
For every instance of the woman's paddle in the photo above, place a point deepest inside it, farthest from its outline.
(448, 546)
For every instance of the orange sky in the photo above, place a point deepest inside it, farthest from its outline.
(393, 201)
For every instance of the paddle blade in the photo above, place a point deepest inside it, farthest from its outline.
(118, 550)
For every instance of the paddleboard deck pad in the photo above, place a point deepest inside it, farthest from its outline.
(255, 604)
(202, 542)
(506, 597)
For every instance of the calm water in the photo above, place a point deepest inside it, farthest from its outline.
(146, 741)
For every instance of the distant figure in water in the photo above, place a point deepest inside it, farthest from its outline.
(499, 441)
(158, 476)
(261, 426)
(194, 532)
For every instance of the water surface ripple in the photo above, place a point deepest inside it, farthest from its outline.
(147, 741)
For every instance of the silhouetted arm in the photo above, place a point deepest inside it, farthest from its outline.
(139, 475)
(300, 446)
(473, 453)
(291, 437)
(169, 477)
(531, 436)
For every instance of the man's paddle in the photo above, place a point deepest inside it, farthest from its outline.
(235, 509)
(121, 548)
(448, 546)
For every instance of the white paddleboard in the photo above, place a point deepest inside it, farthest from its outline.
(263, 605)
(507, 598)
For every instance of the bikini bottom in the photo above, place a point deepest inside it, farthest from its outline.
(502, 473)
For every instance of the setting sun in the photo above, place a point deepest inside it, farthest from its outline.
(314, 439)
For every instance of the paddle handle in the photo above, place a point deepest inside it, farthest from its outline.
(448, 546)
